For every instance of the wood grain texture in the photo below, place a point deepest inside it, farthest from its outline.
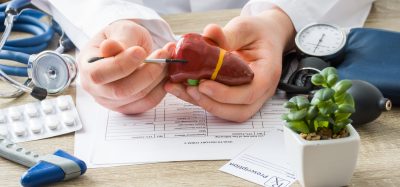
(378, 164)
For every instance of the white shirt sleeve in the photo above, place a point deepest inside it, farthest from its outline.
(343, 13)
(81, 20)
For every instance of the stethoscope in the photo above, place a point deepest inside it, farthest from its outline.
(48, 72)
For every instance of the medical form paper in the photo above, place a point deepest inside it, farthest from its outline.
(172, 131)
(263, 163)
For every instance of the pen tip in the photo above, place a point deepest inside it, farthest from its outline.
(94, 59)
(178, 60)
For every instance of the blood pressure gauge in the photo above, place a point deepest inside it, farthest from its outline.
(321, 40)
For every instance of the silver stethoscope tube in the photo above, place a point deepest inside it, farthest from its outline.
(21, 88)
(14, 83)
(8, 23)
(17, 92)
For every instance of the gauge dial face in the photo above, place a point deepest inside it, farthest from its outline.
(320, 40)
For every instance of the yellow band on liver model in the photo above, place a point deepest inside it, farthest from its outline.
(219, 63)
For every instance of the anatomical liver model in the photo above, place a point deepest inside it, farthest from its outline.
(205, 60)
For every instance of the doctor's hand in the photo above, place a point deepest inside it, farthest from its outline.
(121, 81)
(259, 40)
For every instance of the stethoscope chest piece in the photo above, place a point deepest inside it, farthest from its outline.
(52, 71)
(49, 72)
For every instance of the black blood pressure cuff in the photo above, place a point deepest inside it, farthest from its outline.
(373, 55)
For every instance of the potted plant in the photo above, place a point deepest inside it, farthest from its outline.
(321, 143)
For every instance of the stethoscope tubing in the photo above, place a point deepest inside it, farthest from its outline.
(14, 71)
(42, 34)
(27, 21)
(19, 49)
(15, 56)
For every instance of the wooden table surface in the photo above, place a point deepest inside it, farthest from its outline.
(378, 164)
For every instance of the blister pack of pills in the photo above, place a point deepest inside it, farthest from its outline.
(41, 119)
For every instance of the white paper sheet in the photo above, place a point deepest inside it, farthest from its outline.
(173, 131)
(263, 163)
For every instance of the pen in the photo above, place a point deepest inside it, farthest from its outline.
(150, 60)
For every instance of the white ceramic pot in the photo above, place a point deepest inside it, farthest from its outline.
(322, 162)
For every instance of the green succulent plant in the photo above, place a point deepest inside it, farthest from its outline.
(330, 107)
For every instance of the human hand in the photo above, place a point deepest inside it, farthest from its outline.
(259, 40)
(121, 81)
